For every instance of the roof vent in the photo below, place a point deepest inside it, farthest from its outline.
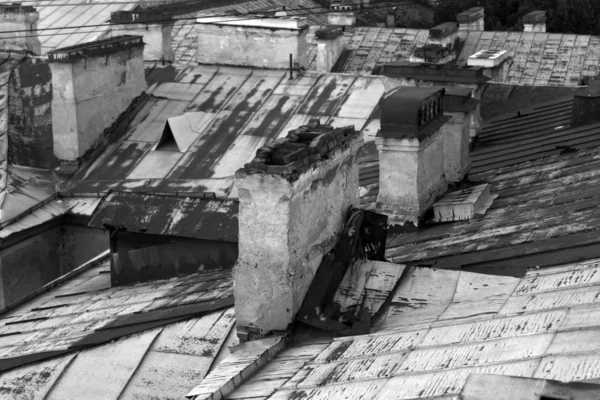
(487, 58)
(463, 204)
(180, 132)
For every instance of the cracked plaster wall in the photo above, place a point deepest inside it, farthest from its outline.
(89, 94)
(285, 230)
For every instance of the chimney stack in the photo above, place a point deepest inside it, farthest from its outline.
(464, 127)
(586, 108)
(444, 34)
(17, 17)
(329, 47)
(154, 27)
(92, 84)
(535, 21)
(390, 19)
(341, 15)
(294, 198)
(261, 42)
(411, 145)
(471, 20)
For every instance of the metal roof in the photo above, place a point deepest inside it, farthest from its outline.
(229, 113)
(168, 336)
(198, 218)
(440, 327)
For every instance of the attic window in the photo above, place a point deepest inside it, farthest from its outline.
(180, 132)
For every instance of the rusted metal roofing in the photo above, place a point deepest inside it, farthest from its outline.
(198, 218)
(168, 336)
(73, 22)
(442, 326)
(230, 113)
(538, 59)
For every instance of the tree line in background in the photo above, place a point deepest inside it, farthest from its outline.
(564, 16)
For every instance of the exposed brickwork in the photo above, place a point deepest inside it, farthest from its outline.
(294, 154)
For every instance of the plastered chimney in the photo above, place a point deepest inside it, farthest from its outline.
(341, 15)
(294, 199)
(92, 84)
(411, 145)
(16, 17)
(329, 47)
(535, 21)
(471, 20)
(444, 34)
(464, 110)
(260, 42)
(154, 27)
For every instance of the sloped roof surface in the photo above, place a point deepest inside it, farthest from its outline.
(541, 59)
(546, 213)
(87, 311)
(234, 112)
(169, 215)
(442, 326)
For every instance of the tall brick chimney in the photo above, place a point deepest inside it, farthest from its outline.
(294, 200)
(535, 21)
(261, 42)
(471, 20)
(93, 83)
(416, 153)
(17, 17)
(329, 47)
(154, 27)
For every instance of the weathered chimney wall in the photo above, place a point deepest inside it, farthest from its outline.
(16, 17)
(464, 109)
(586, 108)
(93, 83)
(30, 140)
(329, 47)
(471, 20)
(444, 34)
(154, 27)
(341, 15)
(263, 43)
(535, 21)
(290, 216)
(411, 146)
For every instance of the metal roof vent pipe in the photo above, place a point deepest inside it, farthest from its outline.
(341, 14)
(329, 47)
(263, 42)
(471, 20)
(154, 27)
(92, 84)
(294, 200)
(535, 21)
(20, 24)
(416, 153)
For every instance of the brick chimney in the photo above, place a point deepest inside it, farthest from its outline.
(154, 27)
(341, 15)
(412, 154)
(329, 47)
(471, 20)
(260, 42)
(294, 199)
(535, 21)
(17, 17)
(93, 83)
(464, 110)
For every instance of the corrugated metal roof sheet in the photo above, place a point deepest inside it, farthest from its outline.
(190, 217)
(432, 357)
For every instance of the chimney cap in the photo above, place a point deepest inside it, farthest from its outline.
(119, 17)
(329, 32)
(443, 30)
(95, 48)
(471, 15)
(407, 110)
(535, 17)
